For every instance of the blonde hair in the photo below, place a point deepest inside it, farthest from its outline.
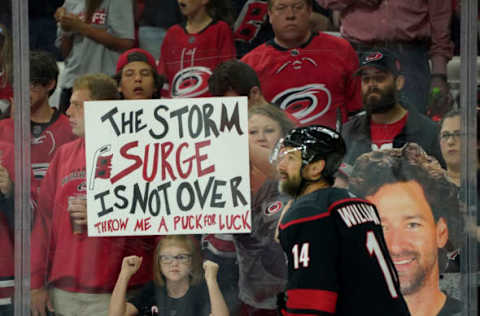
(191, 245)
(101, 86)
(274, 113)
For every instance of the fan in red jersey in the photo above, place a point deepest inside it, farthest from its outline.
(192, 50)
(309, 75)
(50, 128)
(67, 266)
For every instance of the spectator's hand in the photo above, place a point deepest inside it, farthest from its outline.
(6, 185)
(40, 302)
(78, 211)
(72, 23)
(211, 270)
(440, 83)
(59, 13)
(130, 266)
(441, 100)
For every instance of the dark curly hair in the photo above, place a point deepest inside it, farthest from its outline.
(235, 75)
(373, 170)
(43, 69)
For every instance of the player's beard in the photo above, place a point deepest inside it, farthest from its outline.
(291, 185)
(382, 104)
(413, 281)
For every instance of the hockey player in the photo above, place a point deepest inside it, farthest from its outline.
(338, 263)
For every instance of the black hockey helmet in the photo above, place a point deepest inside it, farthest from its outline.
(315, 142)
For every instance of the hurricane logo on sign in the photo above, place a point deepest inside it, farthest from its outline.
(190, 82)
(306, 104)
(273, 208)
(82, 187)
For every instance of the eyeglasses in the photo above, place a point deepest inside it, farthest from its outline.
(183, 258)
(455, 135)
(282, 8)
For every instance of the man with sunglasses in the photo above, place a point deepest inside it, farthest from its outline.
(338, 263)
(386, 123)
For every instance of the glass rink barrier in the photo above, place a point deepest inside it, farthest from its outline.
(234, 157)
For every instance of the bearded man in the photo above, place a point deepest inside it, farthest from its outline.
(385, 122)
(338, 263)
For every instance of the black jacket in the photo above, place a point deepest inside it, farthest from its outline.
(418, 129)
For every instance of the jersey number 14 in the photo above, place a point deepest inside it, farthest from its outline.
(301, 257)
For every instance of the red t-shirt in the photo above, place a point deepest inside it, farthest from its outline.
(382, 135)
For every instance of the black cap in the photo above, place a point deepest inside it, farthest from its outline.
(381, 59)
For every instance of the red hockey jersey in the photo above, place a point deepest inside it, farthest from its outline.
(312, 82)
(57, 132)
(187, 60)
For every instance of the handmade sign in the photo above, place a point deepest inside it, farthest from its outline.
(167, 166)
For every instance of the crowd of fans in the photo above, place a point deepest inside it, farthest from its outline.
(372, 78)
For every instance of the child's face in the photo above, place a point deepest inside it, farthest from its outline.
(175, 262)
(191, 7)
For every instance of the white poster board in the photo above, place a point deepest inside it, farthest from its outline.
(167, 166)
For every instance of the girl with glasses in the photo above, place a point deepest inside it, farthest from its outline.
(180, 285)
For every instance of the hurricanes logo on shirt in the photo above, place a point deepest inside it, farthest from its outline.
(190, 82)
(306, 103)
(82, 187)
(273, 208)
(47, 141)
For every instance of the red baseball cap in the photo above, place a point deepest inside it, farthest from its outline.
(136, 54)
